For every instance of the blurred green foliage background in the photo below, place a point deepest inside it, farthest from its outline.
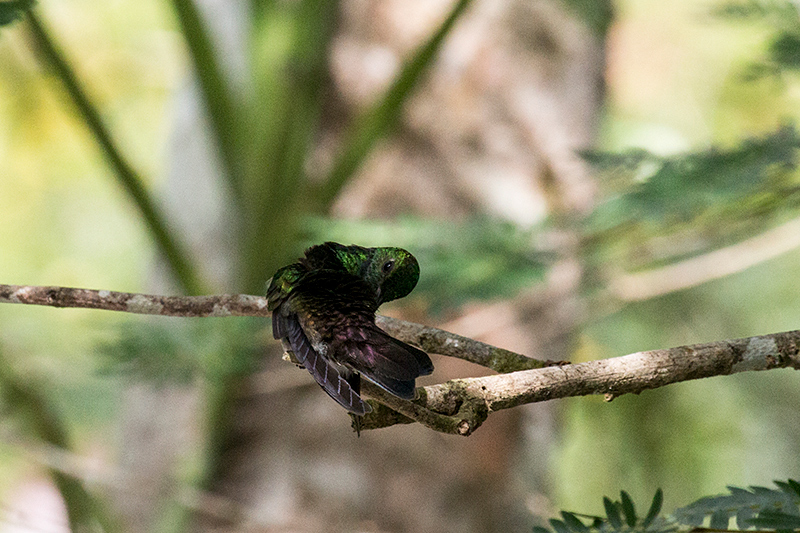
(697, 150)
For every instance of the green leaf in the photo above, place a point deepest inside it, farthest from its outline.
(679, 188)
(771, 519)
(596, 14)
(573, 522)
(743, 516)
(785, 51)
(612, 512)
(763, 507)
(719, 520)
(740, 502)
(13, 10)
(655, 508)
(692, 202)
(559, 526)
(628, 509)
(775, 13)
(597, 522)
(789, 486)
(795, 486)
(745, 9)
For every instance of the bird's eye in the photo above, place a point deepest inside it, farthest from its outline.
(388, 266)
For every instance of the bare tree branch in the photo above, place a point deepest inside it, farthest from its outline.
(469, 401)
(434, 340)
(460, 406)
(428, 338)
(130, 302)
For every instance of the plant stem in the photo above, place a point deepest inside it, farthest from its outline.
(216, 91)
(166, 241)
(377, 122)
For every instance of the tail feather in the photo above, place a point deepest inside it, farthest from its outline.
(400, 388)
(389, 363)
(423, 360)
(280, 329)
(329, 377)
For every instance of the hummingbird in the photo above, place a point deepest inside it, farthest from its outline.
(323, 311)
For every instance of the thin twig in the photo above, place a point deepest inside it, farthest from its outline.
(434, 340)
(142, 304)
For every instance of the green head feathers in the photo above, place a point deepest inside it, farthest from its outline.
(391, 272)
(394, 273)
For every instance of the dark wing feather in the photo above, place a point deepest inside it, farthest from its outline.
(336, 381)
(401, 389)
(340, 308)
(389, 363)
(280, 329)
(335, 311)
(424, 362)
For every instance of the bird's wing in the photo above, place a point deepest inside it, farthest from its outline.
(328, 318)
(389, 363)
(282, 284)
(339, 382)
(336, 310)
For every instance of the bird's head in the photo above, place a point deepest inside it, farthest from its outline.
(392, 272)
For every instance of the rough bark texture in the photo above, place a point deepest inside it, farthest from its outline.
(460, 406)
